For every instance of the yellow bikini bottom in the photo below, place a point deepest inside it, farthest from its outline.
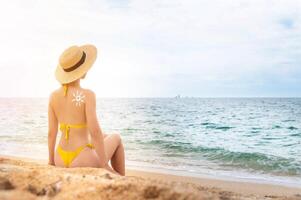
(69, 156)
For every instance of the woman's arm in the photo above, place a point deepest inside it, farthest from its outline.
(52, 132)
(96, 132)
(94, 128)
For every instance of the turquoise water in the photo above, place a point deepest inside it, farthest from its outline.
(256, 138)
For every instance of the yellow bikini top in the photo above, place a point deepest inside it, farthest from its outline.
(66, 127)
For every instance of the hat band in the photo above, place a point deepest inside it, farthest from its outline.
(80, 62)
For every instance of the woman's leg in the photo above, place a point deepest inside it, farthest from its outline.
(89, 158)
(115, 152)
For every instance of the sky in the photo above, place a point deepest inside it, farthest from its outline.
(155, 48)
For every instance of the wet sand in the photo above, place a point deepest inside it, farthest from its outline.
(22, 178)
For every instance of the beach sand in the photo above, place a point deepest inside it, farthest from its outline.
(22, 178)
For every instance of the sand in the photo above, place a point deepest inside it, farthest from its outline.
(22, 178)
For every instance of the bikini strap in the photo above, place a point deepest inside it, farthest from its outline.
(65, 89)
(66, 128)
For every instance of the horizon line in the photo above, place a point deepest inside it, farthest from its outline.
(162, 97)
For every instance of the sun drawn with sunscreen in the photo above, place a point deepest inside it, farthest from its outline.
(78, 98)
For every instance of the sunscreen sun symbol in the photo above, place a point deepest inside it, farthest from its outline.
(78, 98)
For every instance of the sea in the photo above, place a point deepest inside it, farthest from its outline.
(251, 139)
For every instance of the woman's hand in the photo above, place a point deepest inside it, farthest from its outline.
(52, 132)
(51, 163)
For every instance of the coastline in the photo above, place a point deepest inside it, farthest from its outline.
(244, 178)
(192, 186)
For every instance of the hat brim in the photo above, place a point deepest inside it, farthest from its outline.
(66, 77)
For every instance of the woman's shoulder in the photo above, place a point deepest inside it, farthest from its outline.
(89, 93)
(54, 93)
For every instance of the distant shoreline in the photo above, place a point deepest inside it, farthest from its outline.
(171, 97)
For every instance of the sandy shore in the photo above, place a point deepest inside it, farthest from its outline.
(22, 178)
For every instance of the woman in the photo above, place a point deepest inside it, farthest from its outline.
(73, 109)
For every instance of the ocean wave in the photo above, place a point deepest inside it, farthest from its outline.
(296, 135)
(292, 128)
(215, 126)
(257, 162)
(251, 161)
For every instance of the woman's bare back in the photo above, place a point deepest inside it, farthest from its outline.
(70, 109)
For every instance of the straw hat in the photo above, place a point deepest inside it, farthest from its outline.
(75, 62)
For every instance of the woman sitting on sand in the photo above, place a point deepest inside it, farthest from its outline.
(82, 144)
